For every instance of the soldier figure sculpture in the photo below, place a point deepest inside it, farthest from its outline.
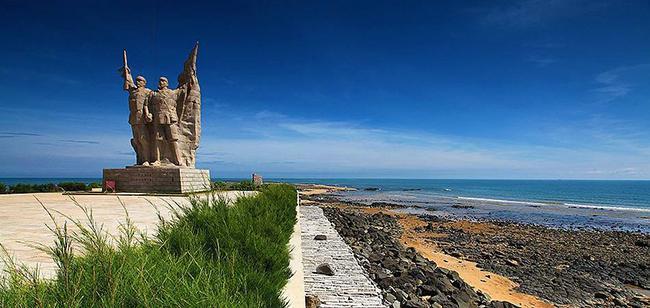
(139, 116)
(165, 121)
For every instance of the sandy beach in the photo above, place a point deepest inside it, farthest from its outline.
(523, 264)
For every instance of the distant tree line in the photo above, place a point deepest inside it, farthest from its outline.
(21, 188)
(246, 185)
(50, 187)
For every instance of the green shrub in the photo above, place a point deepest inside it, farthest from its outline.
(242, 185)
(32, 188)
(35, 188)
(3, 188)
(73, 186)
(94, 185)
(207, 254)
(220, 185)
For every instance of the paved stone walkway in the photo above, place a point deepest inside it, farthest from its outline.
(349, 287)
(23, 220)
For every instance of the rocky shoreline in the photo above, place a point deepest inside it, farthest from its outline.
(568, 267)
(406, 278)
(575, 268)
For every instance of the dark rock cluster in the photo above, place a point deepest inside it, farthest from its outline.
(406, 278)
(579, 268)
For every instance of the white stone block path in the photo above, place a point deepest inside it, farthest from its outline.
(349, 287)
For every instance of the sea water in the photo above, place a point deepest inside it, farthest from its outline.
(604, 204)
(615, 194)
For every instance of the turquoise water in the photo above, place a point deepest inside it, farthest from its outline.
(605, 205)
(615, 194)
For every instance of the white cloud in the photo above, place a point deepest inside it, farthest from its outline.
(615, 84)
(541, 61)
(313, 147)
(280, 145)
(533, 12)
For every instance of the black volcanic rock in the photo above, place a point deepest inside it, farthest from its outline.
(401, 273)
(578, 268)
(325, 269)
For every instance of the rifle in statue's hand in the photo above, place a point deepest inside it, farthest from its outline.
(126, 73)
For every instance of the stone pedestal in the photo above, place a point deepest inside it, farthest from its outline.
(157, 179)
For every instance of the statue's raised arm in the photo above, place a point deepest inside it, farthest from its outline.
(139, 115)
(126, 74)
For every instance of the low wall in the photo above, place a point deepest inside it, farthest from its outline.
(294, 291)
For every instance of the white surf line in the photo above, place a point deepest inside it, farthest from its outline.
(598, 207)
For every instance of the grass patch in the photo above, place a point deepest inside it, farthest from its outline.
(207, 254)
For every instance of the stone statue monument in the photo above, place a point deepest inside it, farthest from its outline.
(166, 126)
(139, 116)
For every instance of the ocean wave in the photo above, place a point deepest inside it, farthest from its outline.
(573, 205)
(608, 207)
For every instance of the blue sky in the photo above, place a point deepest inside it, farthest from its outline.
(401, 89)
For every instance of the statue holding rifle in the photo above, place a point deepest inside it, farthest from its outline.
(166, 125)
(139, 115)
(167, 122)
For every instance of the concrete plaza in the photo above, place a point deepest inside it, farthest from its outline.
(23, 221)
